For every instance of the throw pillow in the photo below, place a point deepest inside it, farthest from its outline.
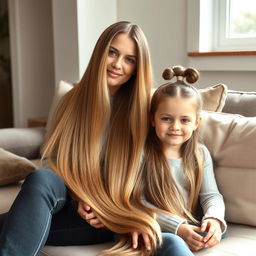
(239, 102)
(231, 140)
(13, 168)
(63, 88)
(214, 97)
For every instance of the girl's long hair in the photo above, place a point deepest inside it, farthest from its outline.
(159, 187)
(105, 179)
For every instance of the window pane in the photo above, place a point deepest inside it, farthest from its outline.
(242, 18)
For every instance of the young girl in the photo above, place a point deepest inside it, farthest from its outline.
(177, 169)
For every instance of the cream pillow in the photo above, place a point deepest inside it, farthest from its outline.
(231, 140)
(214, 97)
(13, 168)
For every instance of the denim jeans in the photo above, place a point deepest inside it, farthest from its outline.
(173, 245)
(43, 214)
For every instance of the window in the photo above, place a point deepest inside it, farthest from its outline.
(215, 38)
(234, 25)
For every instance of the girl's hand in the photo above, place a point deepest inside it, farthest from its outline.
(135, 237)
(189, 234)
(86, 213)
(213, 228)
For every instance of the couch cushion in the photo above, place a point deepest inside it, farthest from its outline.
(239, 102)
(25, 142)
(214, 97)
(231, 140)
(63, 88)
(239, 240)
(13, 168)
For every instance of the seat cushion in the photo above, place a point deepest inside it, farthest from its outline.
(231, 140)
(240, 239)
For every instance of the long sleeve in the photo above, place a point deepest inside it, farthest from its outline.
(168, 223)
(210, 198)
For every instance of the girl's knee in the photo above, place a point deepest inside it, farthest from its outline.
(172, 238)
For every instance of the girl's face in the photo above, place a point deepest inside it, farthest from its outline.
(121, 61)
(174, 122)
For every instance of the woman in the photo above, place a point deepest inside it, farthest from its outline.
(94, 148)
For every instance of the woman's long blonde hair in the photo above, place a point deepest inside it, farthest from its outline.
(106, 180)
(158, 186)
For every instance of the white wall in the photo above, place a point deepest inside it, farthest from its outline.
(93, 17)
(165, 25)
(51, 40)
(32, 58)
(76, 28)
(65, 40)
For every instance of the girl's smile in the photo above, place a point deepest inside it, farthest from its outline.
(174, 122)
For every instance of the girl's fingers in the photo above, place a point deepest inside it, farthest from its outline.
(210, 233)
(204, 226)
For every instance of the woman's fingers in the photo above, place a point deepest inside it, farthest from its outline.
(135, 237)
(146, 241)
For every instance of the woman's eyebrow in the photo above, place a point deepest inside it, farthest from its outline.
(115, 49)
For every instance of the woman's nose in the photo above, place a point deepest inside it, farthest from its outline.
(117, 63)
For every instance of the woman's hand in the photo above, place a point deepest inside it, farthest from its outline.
(189, 233)
(213, 228)
(135, 237)
(87, 213)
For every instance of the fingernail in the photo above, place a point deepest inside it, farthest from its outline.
(149, 248)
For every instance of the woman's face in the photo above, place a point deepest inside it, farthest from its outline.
(121, 61)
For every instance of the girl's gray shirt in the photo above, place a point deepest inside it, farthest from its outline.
(210, 199)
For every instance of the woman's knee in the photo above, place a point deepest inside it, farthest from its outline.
(45, 181)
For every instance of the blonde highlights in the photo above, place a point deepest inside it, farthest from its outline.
(101, 168)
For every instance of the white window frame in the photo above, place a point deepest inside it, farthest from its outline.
(222, 42)
(199, 34)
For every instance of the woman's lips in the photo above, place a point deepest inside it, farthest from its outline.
(113, 74)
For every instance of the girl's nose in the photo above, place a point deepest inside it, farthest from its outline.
(175, 126)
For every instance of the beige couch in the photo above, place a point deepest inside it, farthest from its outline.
(231, 139)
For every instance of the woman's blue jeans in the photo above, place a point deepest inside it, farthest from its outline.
(43, 214)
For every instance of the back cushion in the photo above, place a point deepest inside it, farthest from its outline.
(231, 140)
(243, 103)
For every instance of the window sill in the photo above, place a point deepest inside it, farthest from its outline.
(229, 53)
(223, 61)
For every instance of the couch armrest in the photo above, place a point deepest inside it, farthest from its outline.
(25, 142)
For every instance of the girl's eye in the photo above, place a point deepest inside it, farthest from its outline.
(112, 53)
(185, 120)
(166, 119)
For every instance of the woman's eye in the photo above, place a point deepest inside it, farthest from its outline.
(130, 60)
(112, 53)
